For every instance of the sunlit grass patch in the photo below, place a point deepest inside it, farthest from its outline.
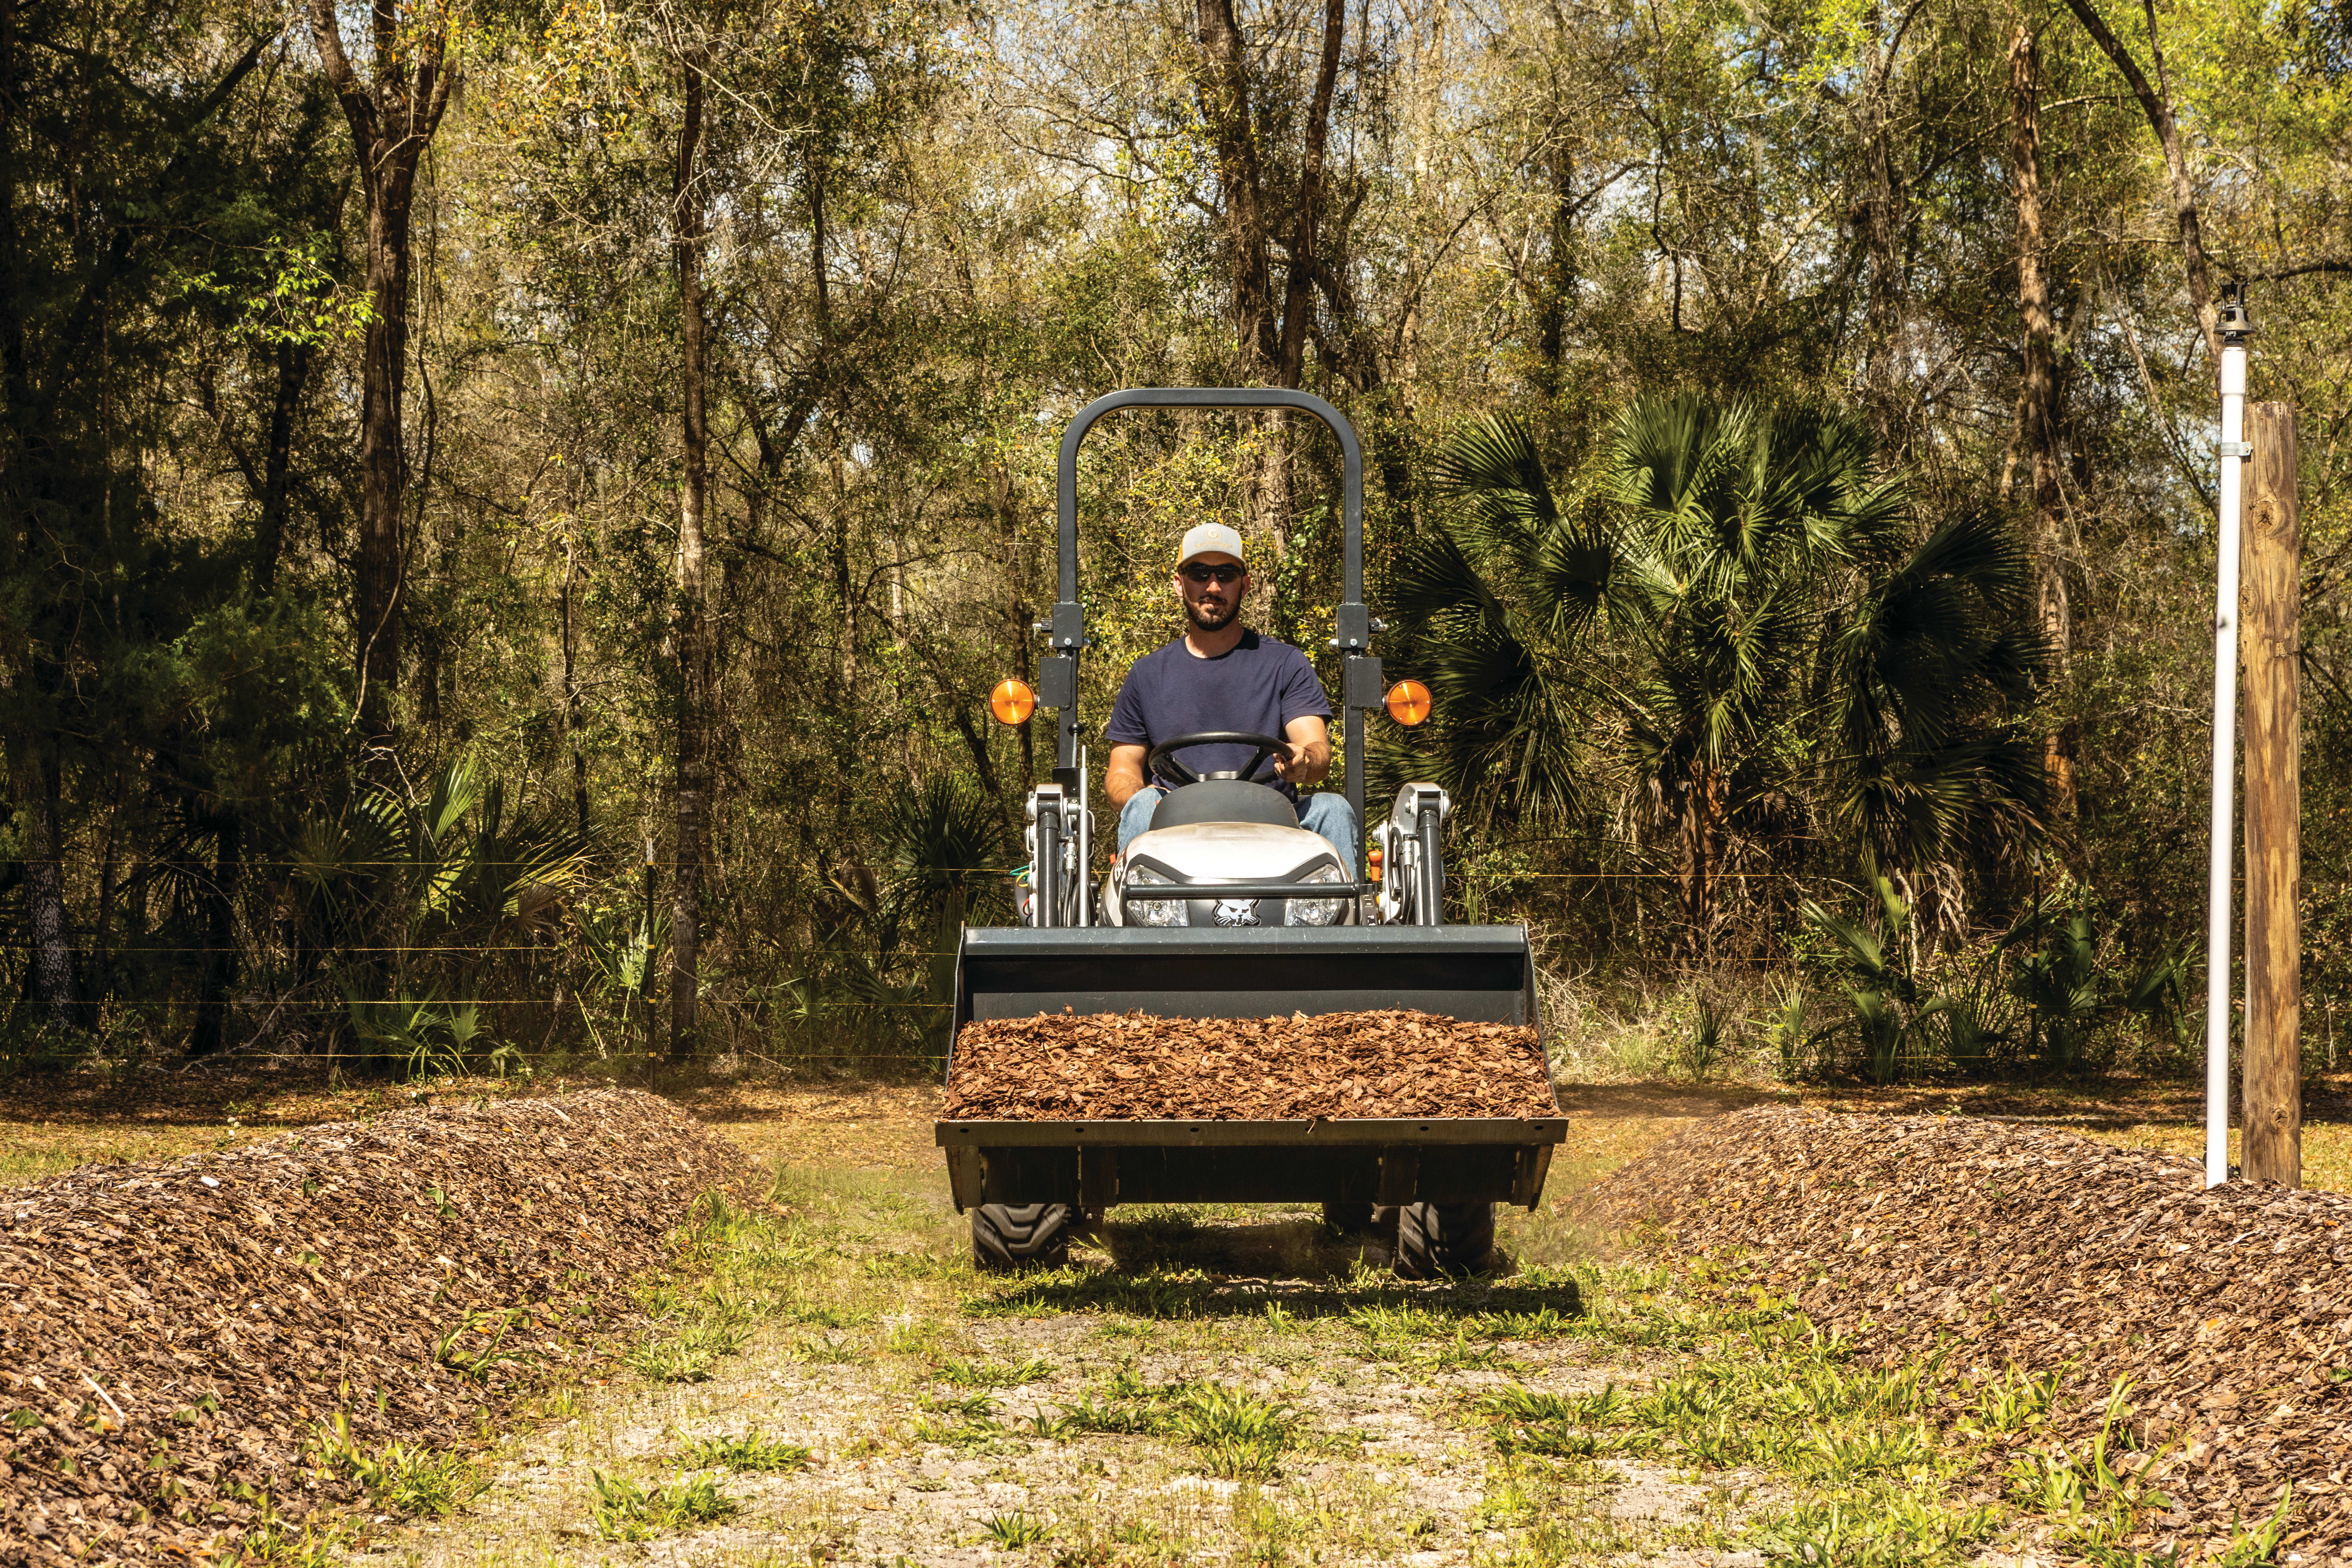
(1162, 1296)
(981, 1374)
(401, 1478)
(1015, 1531)
(1878, 1527)
(1417, 1336)
(751, 1450)
(1236, 1433)
(828, 1350)
(824, 1316)
(629, 1509)
(957, 1423)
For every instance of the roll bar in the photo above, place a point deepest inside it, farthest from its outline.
(1057, 670)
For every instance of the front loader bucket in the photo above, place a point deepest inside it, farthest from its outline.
(1477, 973)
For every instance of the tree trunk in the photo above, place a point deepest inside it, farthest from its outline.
(53, 982)
(1703, 807)
(1277, 504)
(278, 463)
(575, 706)
(392, 117)
(692, 629)
(1883, 232)
(2152, 103)
(211, 1032)
(2037, 396)
(1016, 610)
(1248, 223)
(1559, 272)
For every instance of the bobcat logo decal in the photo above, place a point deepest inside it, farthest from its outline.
(1237, 911)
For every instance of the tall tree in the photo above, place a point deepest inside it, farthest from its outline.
(2037, 392)
(2156, 102)
(690, 627)
(1270, 336)
(393, 112)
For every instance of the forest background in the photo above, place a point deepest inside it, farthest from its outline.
(510, 512)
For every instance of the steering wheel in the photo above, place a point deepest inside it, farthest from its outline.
(1163, 763)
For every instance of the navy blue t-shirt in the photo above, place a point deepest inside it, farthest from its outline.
(1259, 684)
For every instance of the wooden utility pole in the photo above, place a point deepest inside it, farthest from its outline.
(2269, 612)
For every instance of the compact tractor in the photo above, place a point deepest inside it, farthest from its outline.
(1227, 908)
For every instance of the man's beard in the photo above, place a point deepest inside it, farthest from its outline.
(1208, 620)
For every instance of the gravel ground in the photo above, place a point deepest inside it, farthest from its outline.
(938, 1411)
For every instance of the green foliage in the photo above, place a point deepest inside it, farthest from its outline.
(1236, 1433)
(974, 1375)
(1888, 1012)
(752, 1450)
(687, 1353)
(1017, 1531)
(628, 1510)
(1695, 482)
(2072, 990)
(1749, 604)
(405, 1478)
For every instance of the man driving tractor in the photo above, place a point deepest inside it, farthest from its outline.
(1222, 676)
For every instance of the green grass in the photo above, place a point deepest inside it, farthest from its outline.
(1015, 1531)
(752, 1451)
(1234, 1432)
(965, 1422)
(977, 1375)
(628, 1510)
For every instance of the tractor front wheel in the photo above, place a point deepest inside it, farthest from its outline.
(1020, 1235)
(1361, 1219)
(1435, 1239)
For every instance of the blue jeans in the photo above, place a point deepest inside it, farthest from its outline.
(1326, 814)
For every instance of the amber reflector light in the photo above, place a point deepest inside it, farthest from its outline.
(1012, 702)
(1408, 702)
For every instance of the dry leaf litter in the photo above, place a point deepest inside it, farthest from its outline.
(2229, 1309)
(1064, 1067)
(175, 1333)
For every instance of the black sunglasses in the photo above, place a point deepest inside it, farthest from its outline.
(1199, 573)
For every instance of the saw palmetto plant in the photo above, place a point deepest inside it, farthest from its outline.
(420, 902)
(948, 855)
(1742, 634)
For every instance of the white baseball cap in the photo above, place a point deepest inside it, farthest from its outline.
(1212, 539)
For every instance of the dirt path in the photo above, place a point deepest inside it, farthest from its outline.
(1235, 1386)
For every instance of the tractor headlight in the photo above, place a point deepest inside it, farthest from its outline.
(1153, 911)
(1315, 911)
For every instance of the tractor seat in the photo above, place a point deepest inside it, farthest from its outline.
(1225, 800)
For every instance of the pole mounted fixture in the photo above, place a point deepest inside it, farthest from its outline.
(2236, 328)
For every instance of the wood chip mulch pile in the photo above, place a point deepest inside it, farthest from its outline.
(2230, 1309)
(172, 1334)
(1063, 1067)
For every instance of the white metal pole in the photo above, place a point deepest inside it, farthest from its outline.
(2234, 332)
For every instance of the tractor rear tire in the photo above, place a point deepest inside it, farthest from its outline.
(1020, 1235)
(1435, 1239)
(1361, 1219)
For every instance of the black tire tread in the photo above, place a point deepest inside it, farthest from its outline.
(1435, 1239)
(1020, 1235)
(1361, 1219)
